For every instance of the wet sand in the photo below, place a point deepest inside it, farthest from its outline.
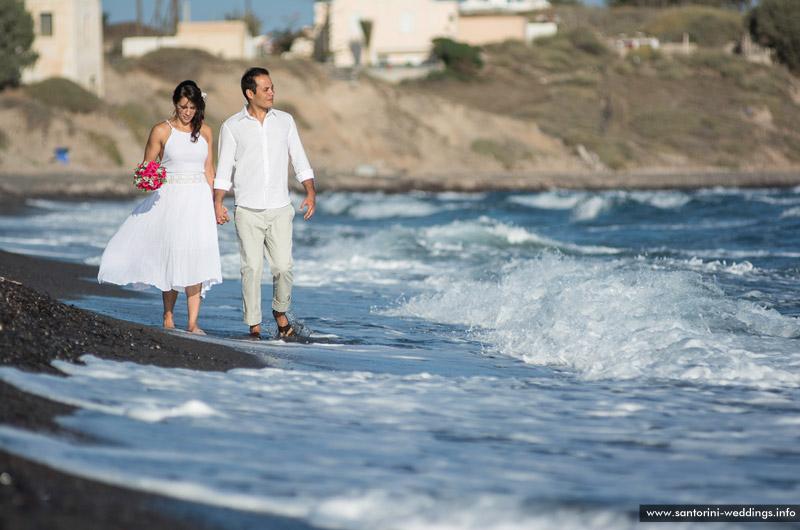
(36, 329)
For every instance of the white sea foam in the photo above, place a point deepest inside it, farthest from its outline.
(592, 206)
(616, 320)
(376, 206)
(739, 269)
(791, 212)
(744, 255)
(549, 200)
(664, 200)
(485, 233)
(770, 198)
(231, 263)
(589, 205)
(358, 450)
(375, 509)
(352, 256)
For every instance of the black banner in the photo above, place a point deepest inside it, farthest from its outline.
(719, 513)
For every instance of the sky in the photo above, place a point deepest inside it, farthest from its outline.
(274, 14)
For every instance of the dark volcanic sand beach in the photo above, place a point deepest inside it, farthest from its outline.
(36, 329)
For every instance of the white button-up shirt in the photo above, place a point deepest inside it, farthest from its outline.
(260, 153)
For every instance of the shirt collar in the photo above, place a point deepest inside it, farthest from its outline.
(245, 115)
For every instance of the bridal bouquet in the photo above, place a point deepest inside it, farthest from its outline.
(149, 176)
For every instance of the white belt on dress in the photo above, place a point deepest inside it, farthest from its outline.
(186, 178)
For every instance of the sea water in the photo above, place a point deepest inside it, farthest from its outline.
(473, 361)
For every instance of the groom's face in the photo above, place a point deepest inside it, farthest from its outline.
(264, 95)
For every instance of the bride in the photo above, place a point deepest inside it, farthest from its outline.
(170, 240)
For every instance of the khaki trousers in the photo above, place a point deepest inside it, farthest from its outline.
(265, 233)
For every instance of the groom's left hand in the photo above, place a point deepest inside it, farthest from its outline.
(310, 202)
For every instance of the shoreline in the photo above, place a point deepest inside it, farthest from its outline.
(36, 329)
(72, 184)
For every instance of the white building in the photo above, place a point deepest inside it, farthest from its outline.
(227, 39)
(69, 41)
(502, 6)
(400, 31)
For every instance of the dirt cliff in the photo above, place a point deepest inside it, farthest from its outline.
(363, 133)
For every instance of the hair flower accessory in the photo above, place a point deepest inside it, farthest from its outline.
(203, 95)
(149, 176)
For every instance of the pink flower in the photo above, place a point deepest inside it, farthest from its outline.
(149, 176)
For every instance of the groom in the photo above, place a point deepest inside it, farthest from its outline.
(258, 142)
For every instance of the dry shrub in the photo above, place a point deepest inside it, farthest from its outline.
(177, 64)
(64, 94)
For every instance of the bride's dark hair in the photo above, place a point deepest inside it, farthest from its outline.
(188, 89)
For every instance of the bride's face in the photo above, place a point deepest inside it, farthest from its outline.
(185, 110)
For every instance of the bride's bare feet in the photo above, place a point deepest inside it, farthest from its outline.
(196, 330)
(168, 322)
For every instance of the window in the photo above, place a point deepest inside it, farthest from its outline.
(46, 24)
(87, 29)
(407, 22)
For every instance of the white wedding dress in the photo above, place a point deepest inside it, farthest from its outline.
(170, 240)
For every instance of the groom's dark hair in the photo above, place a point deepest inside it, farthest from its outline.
(249, 79)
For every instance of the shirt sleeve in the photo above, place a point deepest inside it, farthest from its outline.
(226, 158)
(302, 168)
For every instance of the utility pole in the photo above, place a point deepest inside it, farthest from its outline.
(139, 17)
(157, 21)
(174, 15)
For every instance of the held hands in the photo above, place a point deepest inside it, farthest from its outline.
(222, 213)
(219, 209)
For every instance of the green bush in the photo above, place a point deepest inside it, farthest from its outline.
(64, 94)
(705, 26)
(585, 39)
(776, 24)
(460, 59)
(555, 54)
(643, 54)
(569, 51)
(16, 40)
(506, 153)
(620, 20)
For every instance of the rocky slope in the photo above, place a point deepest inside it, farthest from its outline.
(607, 125)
